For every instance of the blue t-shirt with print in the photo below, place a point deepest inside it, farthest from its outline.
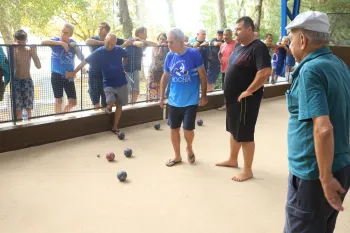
(184, 78)
(62, 61)
(321, 87)
(111, 65)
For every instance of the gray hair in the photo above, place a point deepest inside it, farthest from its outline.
(228, 30)
(70, 26)
(317, 38)
(178, 34)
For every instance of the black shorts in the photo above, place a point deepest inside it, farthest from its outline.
(59, 82)
(187, 115)
(241, 118)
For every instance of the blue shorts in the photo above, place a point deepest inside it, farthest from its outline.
(187, 115)
(307, 210)
(24, 89)
(213, 73)
(96, 87)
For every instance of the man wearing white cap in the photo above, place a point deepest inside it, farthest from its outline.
(318, 128)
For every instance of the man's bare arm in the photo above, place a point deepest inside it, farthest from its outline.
(79, 67)
(259, 79)
(163, 83)
(324, 145)
(51, 42)
(78, 51)
(125, 60)
(203, 80)
(35, 58)
(94, 42)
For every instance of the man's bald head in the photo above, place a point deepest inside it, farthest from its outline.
(110, 41)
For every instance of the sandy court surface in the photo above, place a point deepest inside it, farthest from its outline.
(64, 187)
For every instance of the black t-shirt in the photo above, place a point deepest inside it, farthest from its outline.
(214, 50)
(244, 63)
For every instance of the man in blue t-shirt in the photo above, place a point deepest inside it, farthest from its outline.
(62, 60)
(134, 63)
(110, 59)
(95, 75)
(318, 128)
(184, 66)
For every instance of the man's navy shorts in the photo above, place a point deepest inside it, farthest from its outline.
(307, 210)
(187, 115)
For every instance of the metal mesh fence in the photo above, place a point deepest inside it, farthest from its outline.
(35, 84)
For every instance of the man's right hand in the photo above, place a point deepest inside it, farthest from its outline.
(332, 190)
(65, 46)
(162, 103)
(70, 75)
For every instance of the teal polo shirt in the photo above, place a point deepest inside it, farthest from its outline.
(320, 87)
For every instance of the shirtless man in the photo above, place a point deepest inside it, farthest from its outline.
(23, 83)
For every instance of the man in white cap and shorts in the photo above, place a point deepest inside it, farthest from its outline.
(318, 128)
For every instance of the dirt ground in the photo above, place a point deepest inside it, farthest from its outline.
(64, 187)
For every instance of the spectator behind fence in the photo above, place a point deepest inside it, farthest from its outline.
(62, 60)
(290, 63)
(256, 36)
(318, 128)
(133, 65)
(4, 72)
(201, 44)
(268, 42)
(278, 59)
(110, 59)
(225, 52)
(187, 44)
(249, 67)
(156, 68)
(23, 83)
(213, 60)
(95, 75)
(184, 66)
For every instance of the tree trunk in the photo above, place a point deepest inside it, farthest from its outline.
(257, 15)
(6, 33)
(140, 11)
(124, 18)
(220, 14)
(171, 13)
(241, 10)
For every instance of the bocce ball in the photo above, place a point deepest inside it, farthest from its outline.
(128, 152)
(121, 135)
(200, 122)
(122, 175)
(110, 156)
(157, 126)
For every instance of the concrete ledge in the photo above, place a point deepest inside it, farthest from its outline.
(34, 134)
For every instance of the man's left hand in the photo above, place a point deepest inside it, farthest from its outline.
(244, 95)
(72, 44)
(203, 101)
(332, 190)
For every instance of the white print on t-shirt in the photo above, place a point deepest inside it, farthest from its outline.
(179, 73)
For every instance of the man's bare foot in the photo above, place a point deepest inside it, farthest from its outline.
(243, 176)
(227, 163)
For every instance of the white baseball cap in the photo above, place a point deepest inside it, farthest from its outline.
(311, 20)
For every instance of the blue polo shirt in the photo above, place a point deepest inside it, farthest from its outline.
(184, 78)
(111, 65)
(321, 87)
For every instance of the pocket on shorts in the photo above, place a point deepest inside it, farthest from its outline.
(294, 182)
(299, 213)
